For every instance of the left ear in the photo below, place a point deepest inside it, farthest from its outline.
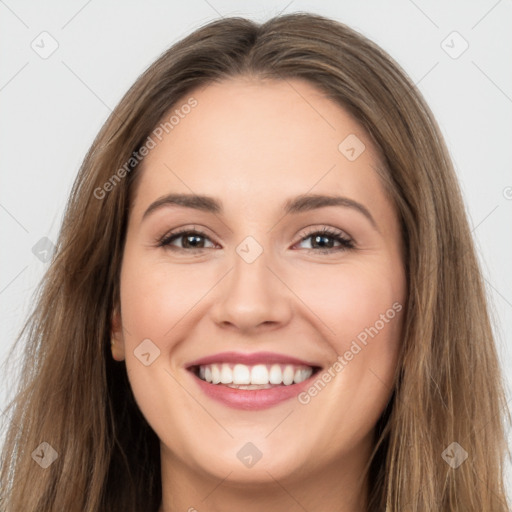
(116, 336)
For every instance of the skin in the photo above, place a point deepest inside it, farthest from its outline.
(253, 144)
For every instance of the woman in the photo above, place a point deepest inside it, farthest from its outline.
(264, 295)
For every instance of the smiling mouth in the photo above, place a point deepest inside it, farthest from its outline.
(253, 377)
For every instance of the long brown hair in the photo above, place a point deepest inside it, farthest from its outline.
(448, 387)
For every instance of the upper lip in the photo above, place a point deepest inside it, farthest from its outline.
(250, 359)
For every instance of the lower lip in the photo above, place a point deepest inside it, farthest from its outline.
(251, 400)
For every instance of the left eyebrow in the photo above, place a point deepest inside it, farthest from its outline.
(299, 204)
(308, 202)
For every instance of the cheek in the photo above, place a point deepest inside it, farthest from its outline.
(360, 311)
(155, 299)
(363, 307)
(156, 296)
(352, 299)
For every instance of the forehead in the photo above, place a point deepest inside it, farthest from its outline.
(249, 138)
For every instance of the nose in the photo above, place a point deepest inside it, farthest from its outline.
(252, 297)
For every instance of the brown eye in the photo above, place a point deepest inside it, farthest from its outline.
(323, 241)
(191, 240)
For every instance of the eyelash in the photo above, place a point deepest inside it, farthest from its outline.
(346, 243)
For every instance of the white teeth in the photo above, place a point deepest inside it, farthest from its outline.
(241, 374)
(304, 374)
(226, 375)
(288, 374)
(215, 374)
(275, 375)
(259, 376)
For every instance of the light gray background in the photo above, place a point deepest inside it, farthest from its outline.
(52, 108)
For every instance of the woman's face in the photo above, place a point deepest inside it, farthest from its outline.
(262, 280)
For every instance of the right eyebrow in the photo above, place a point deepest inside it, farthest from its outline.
(204, 203)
